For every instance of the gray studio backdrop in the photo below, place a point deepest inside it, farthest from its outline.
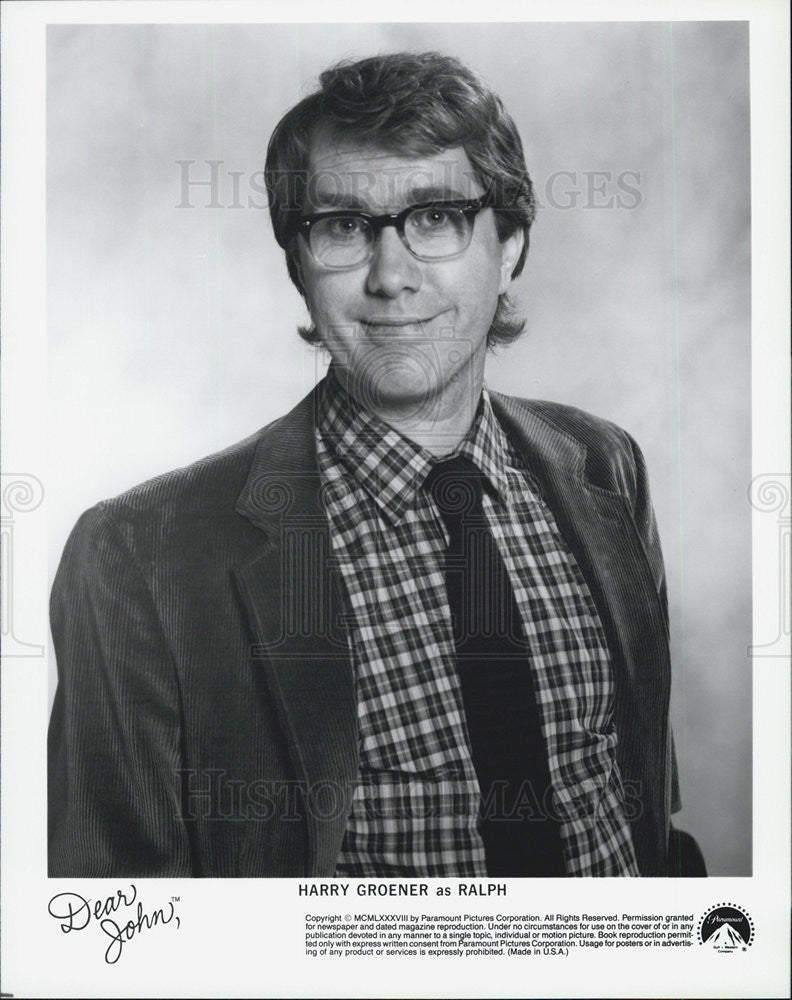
(172, 323)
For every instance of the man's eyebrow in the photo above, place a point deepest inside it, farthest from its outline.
(435, 192)
(336, 199)
(419, 195)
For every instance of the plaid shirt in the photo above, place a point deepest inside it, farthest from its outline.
(416, 806)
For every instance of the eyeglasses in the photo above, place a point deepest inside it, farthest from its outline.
(346, 239)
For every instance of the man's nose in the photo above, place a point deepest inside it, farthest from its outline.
(393, 268)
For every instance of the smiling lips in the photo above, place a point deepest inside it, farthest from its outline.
(397, 321)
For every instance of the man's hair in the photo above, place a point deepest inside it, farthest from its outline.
(411, 104)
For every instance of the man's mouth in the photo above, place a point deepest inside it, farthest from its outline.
(396, 322)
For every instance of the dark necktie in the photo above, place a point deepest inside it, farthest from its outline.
(521, 837)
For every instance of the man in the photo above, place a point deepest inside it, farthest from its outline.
(411, 628)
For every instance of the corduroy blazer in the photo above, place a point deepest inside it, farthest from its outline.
(205, 721)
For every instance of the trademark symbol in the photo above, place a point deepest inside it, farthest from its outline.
(175, 899)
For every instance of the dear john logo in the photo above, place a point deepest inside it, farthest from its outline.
(726, 928)
(113, 915)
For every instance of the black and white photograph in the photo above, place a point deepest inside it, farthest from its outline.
(400, 480)
(274, 622)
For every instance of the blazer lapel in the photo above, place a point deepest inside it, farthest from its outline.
(293, 599)
(598, 526)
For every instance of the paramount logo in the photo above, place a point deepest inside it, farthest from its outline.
(726, 928)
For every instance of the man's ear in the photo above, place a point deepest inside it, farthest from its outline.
(511, 248)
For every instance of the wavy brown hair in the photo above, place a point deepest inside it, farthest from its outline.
(412, 104)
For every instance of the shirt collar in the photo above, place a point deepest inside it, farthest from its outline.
(392, 468)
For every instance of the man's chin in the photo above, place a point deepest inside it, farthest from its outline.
(391, 382)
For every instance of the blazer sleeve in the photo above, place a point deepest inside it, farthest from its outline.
(644, 518)
(643, 515)
(114, 736)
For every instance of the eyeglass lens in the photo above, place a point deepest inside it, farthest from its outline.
(430, 232)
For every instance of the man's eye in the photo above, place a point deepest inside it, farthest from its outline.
(344, 226)
(431, 218)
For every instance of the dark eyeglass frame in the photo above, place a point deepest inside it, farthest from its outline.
(469, 208)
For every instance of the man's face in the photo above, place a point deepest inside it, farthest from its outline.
(407, 335)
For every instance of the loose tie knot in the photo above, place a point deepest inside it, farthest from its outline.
(455, 485)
